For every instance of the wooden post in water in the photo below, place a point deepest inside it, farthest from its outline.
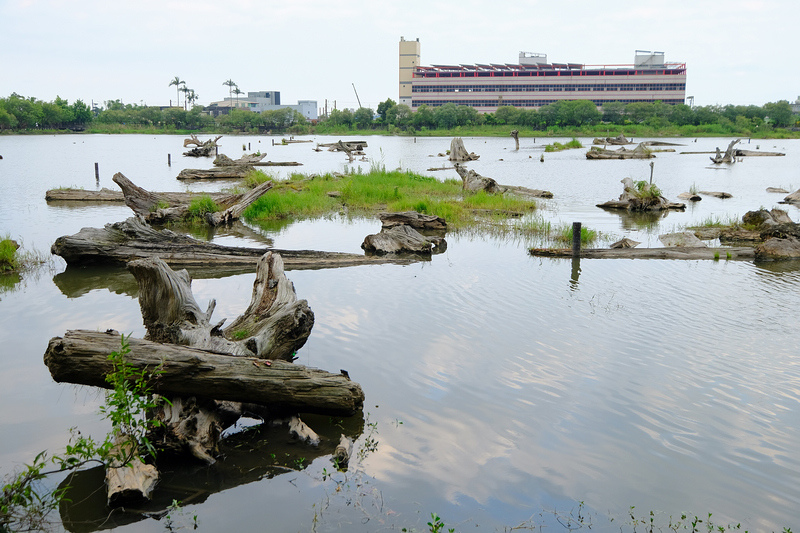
(97, 172)
(576, 239)
(169, 160)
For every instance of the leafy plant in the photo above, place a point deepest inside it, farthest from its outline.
(130, 399)
(436, 525)
(9, 256)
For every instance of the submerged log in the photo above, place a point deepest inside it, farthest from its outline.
(472, 181)
(122, 242)
(793, 198)
(676, 252)
(459, 153)
(400, 239)
(716, 194)
(81, 357)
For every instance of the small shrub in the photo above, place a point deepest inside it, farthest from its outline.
(9, 256)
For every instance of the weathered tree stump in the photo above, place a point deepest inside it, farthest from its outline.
(515, 135)
(459, 153)
(728, 156)
(128, 479)
(202, 148)
(640, 152)
(618, 140)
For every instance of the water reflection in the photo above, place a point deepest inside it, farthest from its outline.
(647, 221)
(257, 453)
(9, 282)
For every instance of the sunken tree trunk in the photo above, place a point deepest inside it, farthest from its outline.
(149, 204)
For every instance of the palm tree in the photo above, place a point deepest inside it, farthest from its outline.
(193, 96)
(231, 84)
(185, 90)
(177, 82)
(237, 92)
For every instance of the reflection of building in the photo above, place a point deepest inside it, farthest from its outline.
(259, 101)
(533, 82)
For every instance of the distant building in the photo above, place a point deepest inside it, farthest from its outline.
(259, 101)
(795, 106)
(532, 82)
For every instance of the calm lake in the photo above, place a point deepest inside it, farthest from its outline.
(502, 390)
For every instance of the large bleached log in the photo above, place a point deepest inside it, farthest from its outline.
(81, 357)
(122, 242)
(400, 239)
(229, 172)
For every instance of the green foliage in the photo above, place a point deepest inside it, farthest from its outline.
(646, 190)
(201, 205)
(436, 525)
(9, 257)
(240, 334)
(129, 399)
(564, 234)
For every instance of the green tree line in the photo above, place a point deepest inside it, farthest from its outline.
(568, 114)
(18, 113)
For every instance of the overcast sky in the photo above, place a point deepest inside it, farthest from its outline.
(736, 51)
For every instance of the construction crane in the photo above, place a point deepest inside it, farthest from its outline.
(357, 98)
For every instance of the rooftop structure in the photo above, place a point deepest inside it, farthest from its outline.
(533, 82)
(260, 101)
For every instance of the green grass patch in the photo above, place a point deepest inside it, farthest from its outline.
(364, 194)
(557, 146)
(564, 233)
(202, 205)
(716, 221)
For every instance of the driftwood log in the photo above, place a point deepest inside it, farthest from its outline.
(472, 181)
(413, 219)
(459, 153)
(81, 357)
(640, 152)
(793, 198)
(253, 160)
(147, 204)
(402, 239)
(122, 242)
(231, 172)
(81, 195)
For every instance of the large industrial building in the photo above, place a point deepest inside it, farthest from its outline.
(533, 82)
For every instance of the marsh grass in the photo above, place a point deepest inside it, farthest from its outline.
(716, 221)
(557, 146)
(563, 234)
(362, 193)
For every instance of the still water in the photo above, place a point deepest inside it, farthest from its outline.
(502, 390)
